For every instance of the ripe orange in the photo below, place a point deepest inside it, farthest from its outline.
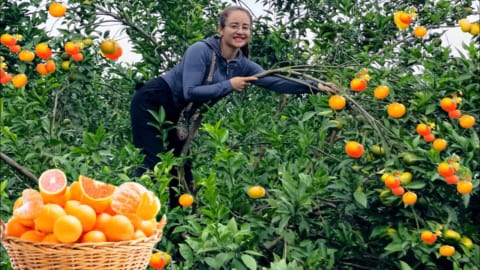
(405, 18)
(50, 66)
(67, 229)
(85, 214)
(409, 198)
(71, 48)
(159, 259)
(75, 191)
(43, 51)
(428, 237)
(439, 144)
(93, 236)
(398, 191)
(337, 102)
(354, 149)
(26, 56)
(108, 46)
(102, 221)
(186, 200)
(139, 234)
(392, 182)
(8, 40)
(358, 84)
(256, 192)
(19, 80)
(15, 48)
(33, 236)
(396, 110)
(119, 228)
(15, 228)
(31, 204)
(454, 114)
(446, 250)
(381, 92)
(420, 31)
(447, 104)
(57, 9)
(77, 57)
(114, 56)
(42, 69)
(149, 206)
(452, 179)
(444, 169)
(50, 238)
(148, 226)
(127, 197)
(464, 187)
(429, 137)
(95, 193)
(6, 78)
(423, 129)
(52, 184)
(465, 25)
(466, 121)
(475, 28)
(48, 215)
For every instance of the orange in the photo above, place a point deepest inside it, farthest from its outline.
(47, 217)
(467, 242)
(6, 78)
(43, 51)
(397, 20)
(444, 169)
(85, 214)
(57, 9)
(446, 250)
(447, 104)
(108, 46)
(475, 28)
(102, 221)
(396, 110)
(439, 144)
(26, 56)
(156, 261)
(33, 236)
(406, 178)
(429, 137)
(358, 84)
(256, 192)
(409, 198)
(381, 92)
(19, 80)
(119, 228)
(464, 187)
(31, 204)
(71, 48)
(428, 237)
(465, 25)
(127, 198)
(77, 57)
(70, 205)
(15, 48)
(405, 18)
(95, 193)
(116, 54)
(454, 114)
(466, 121)
(397, 191)
(148, 226)
(354, 149)
(65, 65)
(50, 66)
(186, 200)
(67, 229)
(52, 184)
(93, 236)
(42, 69)
(50, 238)
(8, 40)
(392, 182)
(423, 129)
(452, 179)
(420, 31)
(149, 206)
(75, 191)
(139, 234)
(337, 102)
(15, 228)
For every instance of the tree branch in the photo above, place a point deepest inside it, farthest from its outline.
(18, 167)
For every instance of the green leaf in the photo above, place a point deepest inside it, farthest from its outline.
(361, 198)
(405, 266)
(249, 261)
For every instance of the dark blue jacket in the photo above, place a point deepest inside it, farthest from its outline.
(187, 78)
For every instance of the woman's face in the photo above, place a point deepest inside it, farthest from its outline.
(237, 30)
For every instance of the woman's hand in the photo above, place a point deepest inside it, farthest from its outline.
(239, 83)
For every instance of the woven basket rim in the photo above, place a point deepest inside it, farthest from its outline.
(156, 236)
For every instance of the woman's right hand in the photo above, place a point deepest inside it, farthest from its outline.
(239, 83)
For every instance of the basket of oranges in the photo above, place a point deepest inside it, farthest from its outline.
(85, 225)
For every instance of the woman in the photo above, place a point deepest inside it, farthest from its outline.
(196, 79)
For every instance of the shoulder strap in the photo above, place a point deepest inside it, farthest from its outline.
(212, 67)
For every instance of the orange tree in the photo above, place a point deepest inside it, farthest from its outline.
(389, 205)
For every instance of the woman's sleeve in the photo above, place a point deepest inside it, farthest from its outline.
(281, 85)
(196, 63)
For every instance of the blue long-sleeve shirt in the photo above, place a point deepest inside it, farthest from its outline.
(187, 78)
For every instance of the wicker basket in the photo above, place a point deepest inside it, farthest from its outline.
(125, 255)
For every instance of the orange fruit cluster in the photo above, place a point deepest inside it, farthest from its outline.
(450, 105)
(404, 18)
(454, 174)
(82, 211)
(467, 27)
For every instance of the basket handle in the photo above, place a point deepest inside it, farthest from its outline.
(2, 230)
(160, 225)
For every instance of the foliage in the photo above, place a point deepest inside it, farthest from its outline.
(323, 210)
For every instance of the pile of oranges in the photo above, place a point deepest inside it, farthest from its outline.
(85, 211)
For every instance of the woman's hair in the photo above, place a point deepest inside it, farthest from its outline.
(223, 18)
